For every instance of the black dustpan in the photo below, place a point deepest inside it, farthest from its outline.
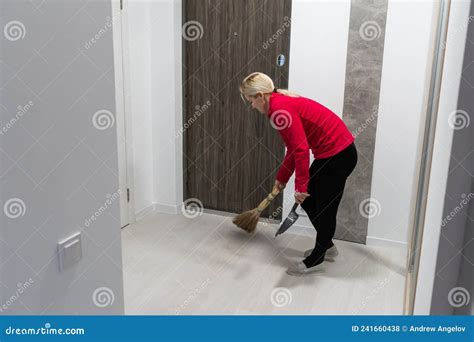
(292, 217)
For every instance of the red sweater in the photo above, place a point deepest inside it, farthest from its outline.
(305, 124)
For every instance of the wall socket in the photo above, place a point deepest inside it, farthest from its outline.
(69, 251)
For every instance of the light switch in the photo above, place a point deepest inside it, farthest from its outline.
(69, 251)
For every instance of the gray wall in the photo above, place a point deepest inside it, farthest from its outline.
(58, 160)
(453, 285)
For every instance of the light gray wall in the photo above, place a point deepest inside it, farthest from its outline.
(453, 284)
(57, 160)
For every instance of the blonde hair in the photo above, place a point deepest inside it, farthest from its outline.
(259, 82)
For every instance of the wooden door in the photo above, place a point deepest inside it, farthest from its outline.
(231, 152)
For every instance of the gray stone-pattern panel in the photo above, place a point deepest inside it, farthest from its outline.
(361, 100)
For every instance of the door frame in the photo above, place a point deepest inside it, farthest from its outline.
(185, 193)
(123, 112)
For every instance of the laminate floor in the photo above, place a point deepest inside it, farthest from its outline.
(205, 265)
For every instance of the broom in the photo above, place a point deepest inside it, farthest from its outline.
(248, 220)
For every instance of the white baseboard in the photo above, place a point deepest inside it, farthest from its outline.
(381, 242)
(217, 212)
(371, 240)
(145, 212)
(155, 208)
(166, 208)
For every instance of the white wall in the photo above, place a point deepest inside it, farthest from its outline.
(404, 84)
(154, 37)
(166, 104)
(452, 72)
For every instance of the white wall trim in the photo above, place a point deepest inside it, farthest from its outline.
(381, 242)
(178, 98)
(157, 208)
(123, 115)
(166, 208)
(452, 73)
(371, 240)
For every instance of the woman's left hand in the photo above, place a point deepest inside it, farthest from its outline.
(300, 197)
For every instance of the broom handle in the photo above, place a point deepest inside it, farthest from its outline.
(266, 202)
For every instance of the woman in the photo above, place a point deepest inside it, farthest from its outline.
(305, 124)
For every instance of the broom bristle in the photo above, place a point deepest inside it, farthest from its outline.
(247, 220)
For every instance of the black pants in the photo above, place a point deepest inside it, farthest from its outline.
(326, 186)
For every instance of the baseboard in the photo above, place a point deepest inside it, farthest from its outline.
(217, 212)
(144, 213)
(155, 208)
(371, 240)
(381, 242)
(166, 208)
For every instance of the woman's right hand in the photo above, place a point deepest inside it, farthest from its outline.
(280, 184)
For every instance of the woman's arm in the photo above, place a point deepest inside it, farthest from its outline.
(297, 154)
(286, 169)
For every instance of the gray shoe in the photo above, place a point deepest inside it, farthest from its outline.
(300, 269)
(331, 253)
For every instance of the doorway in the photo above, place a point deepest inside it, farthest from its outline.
(231, 154)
